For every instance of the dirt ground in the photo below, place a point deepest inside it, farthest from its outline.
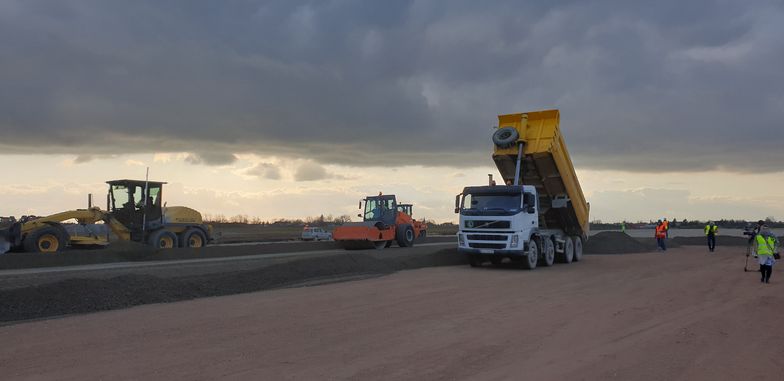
(683, 315)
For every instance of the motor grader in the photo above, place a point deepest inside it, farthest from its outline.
(134, 212)
(384, 221)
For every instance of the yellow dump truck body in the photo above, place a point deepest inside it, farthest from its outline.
(546, 164)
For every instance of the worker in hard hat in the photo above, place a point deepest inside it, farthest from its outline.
(766, 253)
(661, 235)
(710, 231)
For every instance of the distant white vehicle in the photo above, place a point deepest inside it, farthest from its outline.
(315, 234)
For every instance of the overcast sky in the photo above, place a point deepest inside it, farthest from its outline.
(326, 95)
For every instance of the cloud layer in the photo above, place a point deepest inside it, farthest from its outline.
(665, 86)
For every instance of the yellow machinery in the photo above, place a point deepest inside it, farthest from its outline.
(545, 164)
(134, 212)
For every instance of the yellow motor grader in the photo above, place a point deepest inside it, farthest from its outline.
(134, 212)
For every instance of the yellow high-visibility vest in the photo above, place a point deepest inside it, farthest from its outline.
(708, 228)
(765, 246)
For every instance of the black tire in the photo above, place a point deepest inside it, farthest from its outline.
(389, 243)
(474, 260)
(531, 258)
(578, 248)
(422, 235)
(505, 137)
(404, 235)
(48, 239)
(548, 253)
(163, 239)
(193, 238)
(568, 254)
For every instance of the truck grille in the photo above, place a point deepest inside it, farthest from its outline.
(486, 224)
(477, 245)
(486, 237)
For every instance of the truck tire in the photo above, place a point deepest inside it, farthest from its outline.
(163, 239)
(422, 235)
(193, 238)
(389, 243)
(568, 254)
(474, 260)
(48, 239)
(548, 252)
(578, 248)
(505, 137)
(405, 235)
(532, 257)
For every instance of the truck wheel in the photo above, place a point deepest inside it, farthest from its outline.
(505, 137)
(405, 235)
(379, 244)
(548, 253)
(163, 239)
(568, 255)
(474, 260)
(422, 234)
(193, 238)
(578, 248)
(389, 243)
(530, 260)
(45, 240)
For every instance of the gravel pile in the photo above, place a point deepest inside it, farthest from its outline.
(75, 296)
(615, 243)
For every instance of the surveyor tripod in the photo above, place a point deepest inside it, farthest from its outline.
(749, 252)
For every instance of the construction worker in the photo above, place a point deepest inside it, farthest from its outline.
(661, 235)
(710, 231)
(666, 228)
(766, 249)
(623, 226)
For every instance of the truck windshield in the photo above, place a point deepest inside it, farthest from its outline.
(492, 204)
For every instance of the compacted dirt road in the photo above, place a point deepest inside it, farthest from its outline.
(683, 315)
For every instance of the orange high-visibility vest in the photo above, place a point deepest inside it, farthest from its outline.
(661, 231)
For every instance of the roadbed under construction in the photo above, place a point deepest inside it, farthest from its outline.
(128, 274)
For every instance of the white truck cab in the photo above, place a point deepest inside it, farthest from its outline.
(498, 222)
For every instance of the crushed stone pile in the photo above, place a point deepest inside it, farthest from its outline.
(77, 296)
(615, 243)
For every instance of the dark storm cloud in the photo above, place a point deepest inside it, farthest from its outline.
(313, 171)
(211, 158)
(655, 86)
(264, 170)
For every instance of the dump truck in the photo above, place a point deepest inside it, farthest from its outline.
(134, 212)
(539, 215)
(384, 222)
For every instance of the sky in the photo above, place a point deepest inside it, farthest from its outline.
(289, 109)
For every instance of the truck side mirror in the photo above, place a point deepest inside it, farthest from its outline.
(457, 203)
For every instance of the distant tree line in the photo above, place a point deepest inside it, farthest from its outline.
(686, 224)
(321, 220)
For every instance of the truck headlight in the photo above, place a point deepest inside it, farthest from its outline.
(515, 241)
(461, 240)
